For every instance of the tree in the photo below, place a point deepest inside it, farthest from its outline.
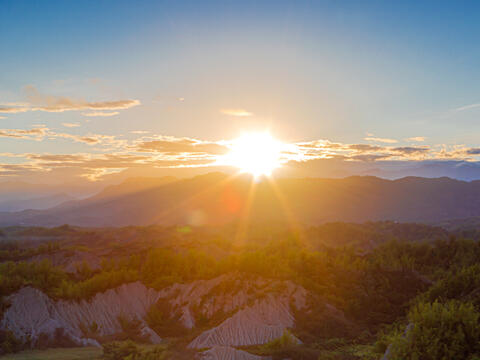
(448, 331)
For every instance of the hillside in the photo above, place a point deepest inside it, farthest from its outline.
(335, 291)
(216, 199)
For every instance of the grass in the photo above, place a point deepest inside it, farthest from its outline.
(82, 353)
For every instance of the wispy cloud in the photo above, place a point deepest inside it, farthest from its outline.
(101, 114)
(71, 125)
(236, 112)
(468, 107)
(416, 139)
(37, 133)
(382, 140)
(410, 150)
(172, 145)
(13, 109)
(50, 103)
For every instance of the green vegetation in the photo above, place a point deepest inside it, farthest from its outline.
(447, 331)
(84, 353)
(381, 276)
(128, 350)
(12, 250)
(8, 343)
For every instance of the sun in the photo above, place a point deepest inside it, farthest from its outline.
(256, 153)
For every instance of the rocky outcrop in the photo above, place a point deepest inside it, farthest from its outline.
(33, 316)
(248, 311)
(228, 353)
(266, 320)
(227, 294)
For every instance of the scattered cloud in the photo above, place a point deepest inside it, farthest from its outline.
(101, 114)
(50, 103)
(382, 140)
(71, 125)
(173, 145)
(416, 139)
(236, 112)
(106, 154)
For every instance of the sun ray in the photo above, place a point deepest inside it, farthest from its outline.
(293, 223)
(242, 229)
(184, 202)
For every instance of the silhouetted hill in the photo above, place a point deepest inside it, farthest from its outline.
(216, 198)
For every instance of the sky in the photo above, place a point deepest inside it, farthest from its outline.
(94, 88)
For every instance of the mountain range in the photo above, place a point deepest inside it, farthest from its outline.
(216, 198)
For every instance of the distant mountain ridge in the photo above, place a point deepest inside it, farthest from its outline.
(39, 203)
(217, 198)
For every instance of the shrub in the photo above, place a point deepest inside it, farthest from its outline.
(128, 350)
(120, 350)
(448, 331)
(455, 286)
(164, 321)
(9, 343)
(286, 339)
(132, 330)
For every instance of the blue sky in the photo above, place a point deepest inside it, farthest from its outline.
(346, 72)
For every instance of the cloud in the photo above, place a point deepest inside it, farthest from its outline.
(13, 109)
(36, 133)
(467, 107)
(3, 117)
(101, 114)
(181, 145)
(409, 150)
(50, 103)
(40, 133)
(416, 138)
(473, 151)
(365, 147)
(71, 125)
(382, 140)
(370, 158)
(236, 112)
(108, 154)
